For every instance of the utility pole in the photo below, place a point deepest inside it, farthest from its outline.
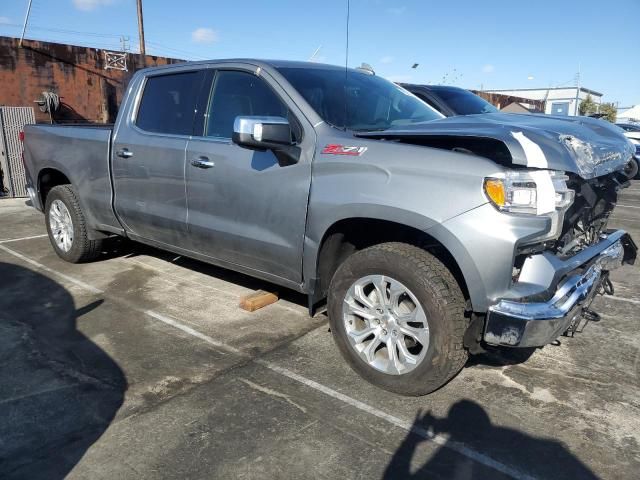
(24, 27)
(577, 91)
(140, 27)
(124, 43)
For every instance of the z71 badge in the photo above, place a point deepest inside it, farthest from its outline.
(335, 149)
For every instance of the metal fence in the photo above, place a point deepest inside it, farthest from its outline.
(12, 122)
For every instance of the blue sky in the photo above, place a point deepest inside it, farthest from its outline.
(469, 43)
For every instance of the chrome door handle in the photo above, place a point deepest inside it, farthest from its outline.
(124, 153)
(202, 162)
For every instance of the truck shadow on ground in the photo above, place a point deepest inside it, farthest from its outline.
(467, 431)
(500, 357)
(121, 247)
(58, 390)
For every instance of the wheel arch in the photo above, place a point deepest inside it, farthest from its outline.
(48, 178)
(347, 235)
(54, 175)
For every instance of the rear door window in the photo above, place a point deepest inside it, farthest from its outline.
(168, 103)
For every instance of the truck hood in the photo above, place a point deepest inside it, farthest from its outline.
(585, 146)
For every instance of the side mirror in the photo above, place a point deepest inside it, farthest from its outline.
(262, 133)
(267, 133)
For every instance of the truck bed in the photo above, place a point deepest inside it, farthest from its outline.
(82, 153)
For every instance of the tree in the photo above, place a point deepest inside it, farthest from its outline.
(587, 106)
(609, 112)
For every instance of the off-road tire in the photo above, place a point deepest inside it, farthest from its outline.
(439, 295)
(82, 248)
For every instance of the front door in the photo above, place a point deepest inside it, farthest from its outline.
(149, 158)
(244, 208)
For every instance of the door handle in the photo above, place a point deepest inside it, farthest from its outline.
(202, 162)
(124, 153)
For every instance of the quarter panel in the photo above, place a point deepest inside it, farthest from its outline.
(82, 154)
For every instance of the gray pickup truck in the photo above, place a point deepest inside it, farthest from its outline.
(429, 238)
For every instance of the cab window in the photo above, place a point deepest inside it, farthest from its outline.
(240, 93)
(168, 103)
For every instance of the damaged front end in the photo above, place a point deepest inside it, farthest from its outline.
(554, 282)
(567, 170)
(586, 220)
(562, 290)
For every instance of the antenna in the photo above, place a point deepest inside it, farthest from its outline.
(346, 69)
(315, 53)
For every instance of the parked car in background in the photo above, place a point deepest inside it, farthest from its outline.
(451, 101)
(632, 132)
(429, 237)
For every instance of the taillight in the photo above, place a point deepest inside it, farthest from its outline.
(21, 136)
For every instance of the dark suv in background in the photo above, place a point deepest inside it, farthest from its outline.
(451, 101)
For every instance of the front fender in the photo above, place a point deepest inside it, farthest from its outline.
(319, 224)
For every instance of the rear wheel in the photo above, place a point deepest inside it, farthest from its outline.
(397, 316)
(66, 226)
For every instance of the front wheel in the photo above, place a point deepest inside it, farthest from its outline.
(67, 228)
(398, 318)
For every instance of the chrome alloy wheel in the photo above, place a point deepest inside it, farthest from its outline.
(61, 225)
(385, 324)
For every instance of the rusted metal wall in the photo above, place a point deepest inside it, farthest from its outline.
(88, 92)
(500, 101)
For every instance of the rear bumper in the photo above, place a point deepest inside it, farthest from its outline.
(527, 322)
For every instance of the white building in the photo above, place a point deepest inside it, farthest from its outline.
(558, 100)
(630, 115)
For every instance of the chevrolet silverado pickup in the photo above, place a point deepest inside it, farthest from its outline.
(428, 238)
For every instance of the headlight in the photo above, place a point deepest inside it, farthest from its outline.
(534, 192)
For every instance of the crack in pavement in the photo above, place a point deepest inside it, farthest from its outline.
(272, 393)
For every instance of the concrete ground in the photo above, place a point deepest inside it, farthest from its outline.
(141, 365)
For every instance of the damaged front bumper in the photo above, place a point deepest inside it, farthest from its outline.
(539, 319)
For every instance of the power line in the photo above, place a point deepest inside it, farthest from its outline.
(176, 50)
(60, 30)
(112, 46)
(107, 36)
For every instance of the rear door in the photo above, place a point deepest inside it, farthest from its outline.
(148, 156)
(245, 209)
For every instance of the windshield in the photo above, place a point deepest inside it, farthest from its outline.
(372, 103)
(463, 102)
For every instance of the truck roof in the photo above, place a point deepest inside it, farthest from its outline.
(253, 61)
